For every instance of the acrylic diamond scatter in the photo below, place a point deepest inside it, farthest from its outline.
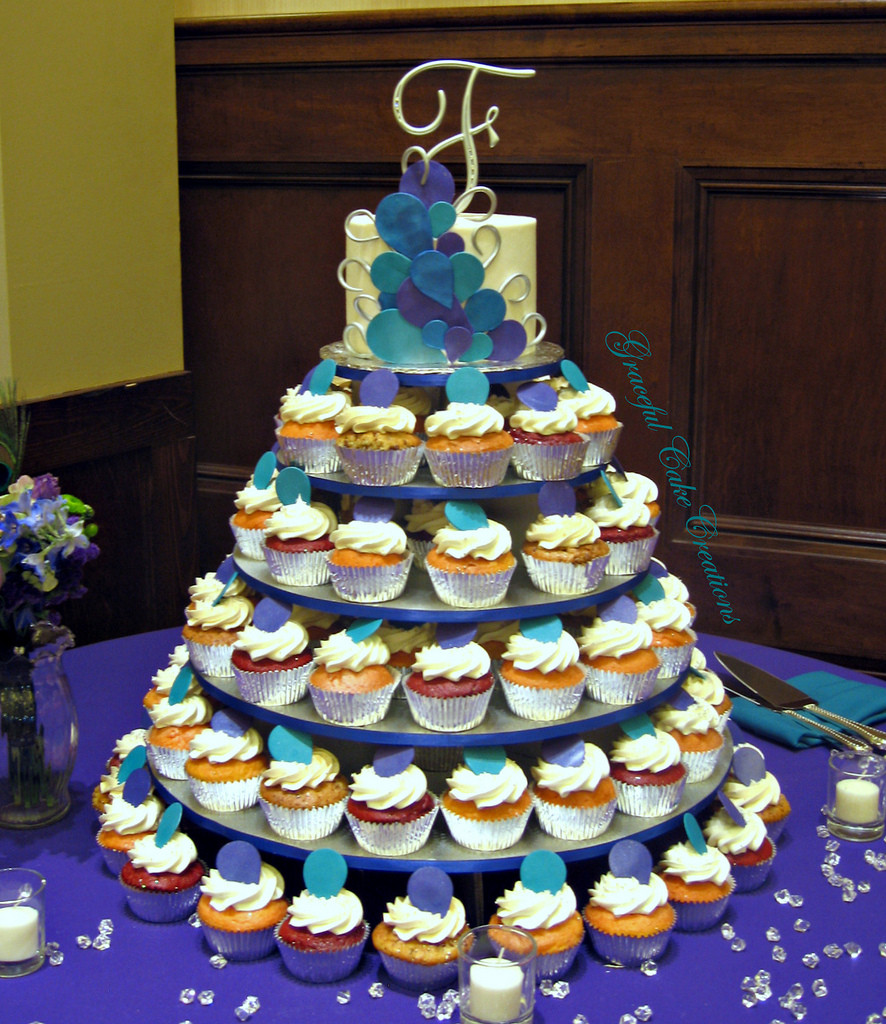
(426, 1001)
(560, 989)
(376, 990)
(833, 951)
(445, 1011)
(810, 960)
(749, 999)
(187, 996)
(84, 942)
(853, 949)
(819, 987)
(738, 945)
(252, 1004)
(643, 1013)
(795, 900)
(779, 955)
(782, 896)
(194, 920)
(863, 887)
(343, 996)
(242, 1014)
(56, 958)
(822, 831)
(206, 997)
(627, 1018)
(727, 931)
(801, 925)
(649, 968)
(882, 948)
(101, 942)
(218, 961)
(773, 934)
(545, 986)
(580, 1018)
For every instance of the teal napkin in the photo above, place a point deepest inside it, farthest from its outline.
(862, 702)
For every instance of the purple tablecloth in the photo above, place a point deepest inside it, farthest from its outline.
(139, 977)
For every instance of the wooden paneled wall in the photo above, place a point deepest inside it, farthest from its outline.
(709, 181)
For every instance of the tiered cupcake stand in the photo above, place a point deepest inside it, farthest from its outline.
(513, 504)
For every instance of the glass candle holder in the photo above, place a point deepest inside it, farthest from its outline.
(22, 921)
(856, 803)
(496, 975)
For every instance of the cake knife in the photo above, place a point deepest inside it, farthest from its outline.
(779, 695)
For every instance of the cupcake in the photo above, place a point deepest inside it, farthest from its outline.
(594, 409)
(741, 836)
(573, 795)
(704, 684)
(322, 936)
(351, 683)
(417, 401)
(540, 674)
(420, 524)
(176, 719)
(404, 640)
(647, 770)
(163, 679)
(467, 444)
(418, 934)
(470, 564)
(616, 648)
(298, 535)
(493, 636)
(241, 903)
(487, 803)
(306, 433)
(755, 790)
(672, 638)
(319, 625)
(303, 792)
(628, 916)
(451, 681)
(161, 879)
(542, 904)
(254, 504)
(673, 586)
(546, 443)
(271, 659)
(626, 520)
(562, 549)
(693, 724)
(226, 762)
(132, 813)
(370, 561)
(699, 880)
(390, 810)
(219, 609)
(110, 783)
(376, 441)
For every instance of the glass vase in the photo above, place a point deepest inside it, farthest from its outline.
(38, 728)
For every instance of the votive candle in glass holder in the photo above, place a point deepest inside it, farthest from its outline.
(856, 803)
(22, 921)
(496, 975)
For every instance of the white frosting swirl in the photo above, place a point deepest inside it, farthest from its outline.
(566, 779)
(225, 894)
(708, 687)
(672, 585)
(488, 789)
(685, 862)
(613, 638)
(595, 401)
(467, 662)
(208, 587)
(308, 617)
(195, 709)
(631, 512)
(408, 922)
(426, 517)
(544, 655)
(755, 796)
(291, 638)
(416, 400)
(665, 614)
(251, 499)
(552, 532)
(299, 406)
(219, 748)
(360, 419)
(727, 836)
(489, 542)
(487, 632)
(523, 908)
(321, 915)
(382, 792)
(130, 740)
(175, 855)
(401, 637)
(371, 538)
(559, 420)
(301, 521)
(340, 651)
(698, 718)
(653, 753)
(120, 816)
(622, 896)
(164, 678)
(293, 775)
(634, 487)
(230, 613)
(464, 419)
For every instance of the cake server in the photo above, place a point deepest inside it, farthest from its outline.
(779, 695)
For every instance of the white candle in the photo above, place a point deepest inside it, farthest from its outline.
(857, 801)
(496, 990)
(19, 933)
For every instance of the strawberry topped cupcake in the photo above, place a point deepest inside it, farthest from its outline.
(306, 434)
(595, 410)
(298, 534)
(647, 770)
(351, 683)
(487, 803)
(573, 795)
(540, 672)
(254, 504)
(370, 561)
(546, 443)
(470, 564)
(616, 649)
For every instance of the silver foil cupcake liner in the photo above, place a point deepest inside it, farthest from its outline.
(250, 542)
(649, 801)
(353, 708)
(313, 455)
(161, 907)
(550, 461)
(601, 446)
(626, 949)
(542, 705)
(380, 468)
(573, 822)
(775, 829)
(555, 965)
(619, 687)
(699, 764)
(395, 838)
(370, 583)
(674, 659)
(698, 917)
(420, 976)
(320, 967)
(225, 796)
(274, 687)
(254, 945)
(303, 823)
(114, 859)
(168, 761)
(211, 659)
(564, 577)
(470, 590)
(448, 714)
(628, 557)
(297, 568)
(468, 469)
(749, 877)
(487, 835)
(419, 549)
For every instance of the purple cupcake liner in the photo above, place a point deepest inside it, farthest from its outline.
(448, 714)
(468, 469)
(274, 687)
(370, 583)
(168, 761)
(380, 468)
(563, 577)
(486, 835)
(649, 801)
(750, 877)
(297, 568)
(573, 822)
(550, 461)
(303, 823)
(395, 838)
(226, 796)
(420, 976)
(353, 708)
(601, 446)
(775, 829)
(627, 950)
(674, 659)
(555, 965)
(700, 764)
(627, 557)
(698, 917)
(254, 945)
(212, 659)
(250, 542)
(161, 907)
(470, 590)
(619, 687)
(317, 966)
(313, 455)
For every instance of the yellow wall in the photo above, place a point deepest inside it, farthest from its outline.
(90, 280)
(198, 9)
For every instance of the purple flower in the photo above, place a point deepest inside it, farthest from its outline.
(45, 486)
